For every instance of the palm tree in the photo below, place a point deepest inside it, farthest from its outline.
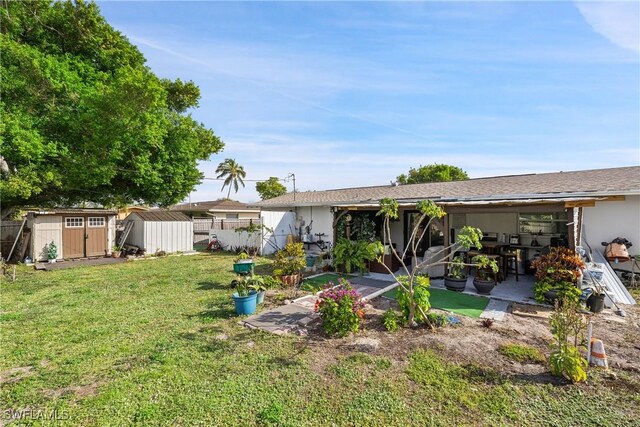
(233, 172)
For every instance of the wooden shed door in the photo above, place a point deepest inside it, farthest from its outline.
(96, 236)
(73, 237)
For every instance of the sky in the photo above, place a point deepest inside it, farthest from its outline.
(346, 94)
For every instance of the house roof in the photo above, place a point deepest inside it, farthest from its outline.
(597, 182)
(213, 205)
(72, 211)
(161, 216)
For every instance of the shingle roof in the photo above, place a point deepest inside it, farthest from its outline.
(624, 180)
(208, 205)
(161, 216)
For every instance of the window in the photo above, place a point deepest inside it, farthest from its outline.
(75, 222)
(96, 221)
(232, 216)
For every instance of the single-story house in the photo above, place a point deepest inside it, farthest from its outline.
(218, 209)
(157, 230)
(527, 211)
(77, 233)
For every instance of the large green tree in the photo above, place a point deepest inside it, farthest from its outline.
(270, 188)
(232, 173)
(84, 119)
(433, 173)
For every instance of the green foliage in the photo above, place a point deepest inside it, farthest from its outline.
(469, 237)
(272, 414)
(437, 319)
(270, 188)
(341, 309)
(487, 267)
(457, 269)
(256, 283)
(522, 353)
(391, 320)
(564, 290)
(388, 208)
(242, 286)
(420, 290)
(433, 173)
(83, 117)
(361, 227)
(52, 250)
(567, 327)
(232, 173)
(354, 254)
(290, 260)
(430, 209)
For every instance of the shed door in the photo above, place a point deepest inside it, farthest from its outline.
(96, 236)
(73, 237)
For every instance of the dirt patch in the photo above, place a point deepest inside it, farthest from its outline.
(80, 392)
(15, 374)
(472, 343)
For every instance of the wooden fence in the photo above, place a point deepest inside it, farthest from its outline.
(8, 232)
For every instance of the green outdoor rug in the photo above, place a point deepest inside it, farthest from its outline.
(456, 302)
(315, 284)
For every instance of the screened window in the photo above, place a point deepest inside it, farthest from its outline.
(76, 222)
(96, 221)
(232, 216)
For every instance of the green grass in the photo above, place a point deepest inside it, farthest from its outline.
(157, 343)
(522, 353)
(456, 302)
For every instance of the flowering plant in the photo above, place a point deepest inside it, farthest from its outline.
(341, 308)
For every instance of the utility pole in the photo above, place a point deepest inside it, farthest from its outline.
(292, 176)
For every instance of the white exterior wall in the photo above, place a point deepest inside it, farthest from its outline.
(608, 220)
(136, 235)
(322, 221)
(44, 229)
(279, 221)
(168, 236)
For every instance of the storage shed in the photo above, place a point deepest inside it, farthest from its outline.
(77, 233)
(161, 231)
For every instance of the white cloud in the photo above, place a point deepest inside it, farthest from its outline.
(618, 21)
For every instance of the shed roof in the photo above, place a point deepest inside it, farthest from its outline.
(161, 216)
(76, 211)
(212, 205)
(597, 182)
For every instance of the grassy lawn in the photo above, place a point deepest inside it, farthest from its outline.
(157, 343)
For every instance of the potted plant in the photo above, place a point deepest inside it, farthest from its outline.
(456, 279)
(52, 252)
(244, 298)
(557, 275)
(289, 262)
(486, 270)
(257, 283)
(116, 251)
(243, 264)
(350, 254)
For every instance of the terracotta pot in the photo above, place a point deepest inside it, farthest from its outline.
(290, 280)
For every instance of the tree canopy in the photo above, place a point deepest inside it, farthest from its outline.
(233, 174)
(433, 173)
(270, 188)
(84, 119)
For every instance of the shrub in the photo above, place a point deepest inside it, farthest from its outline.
(420, 297)
(355, 254)
(560, 270)
(391, 320)
(567, 326)
(521, 353)
(341, 309)
(290, 260)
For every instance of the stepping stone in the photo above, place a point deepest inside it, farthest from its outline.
(496, 310)
(281, 318)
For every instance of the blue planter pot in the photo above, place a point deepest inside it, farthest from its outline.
(260, 297)
(245, 305)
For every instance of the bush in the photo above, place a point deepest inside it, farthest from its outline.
(567, 326)
(341, 309)
(560, 270)
(420, 294)
(391, 320)
(290, 260)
